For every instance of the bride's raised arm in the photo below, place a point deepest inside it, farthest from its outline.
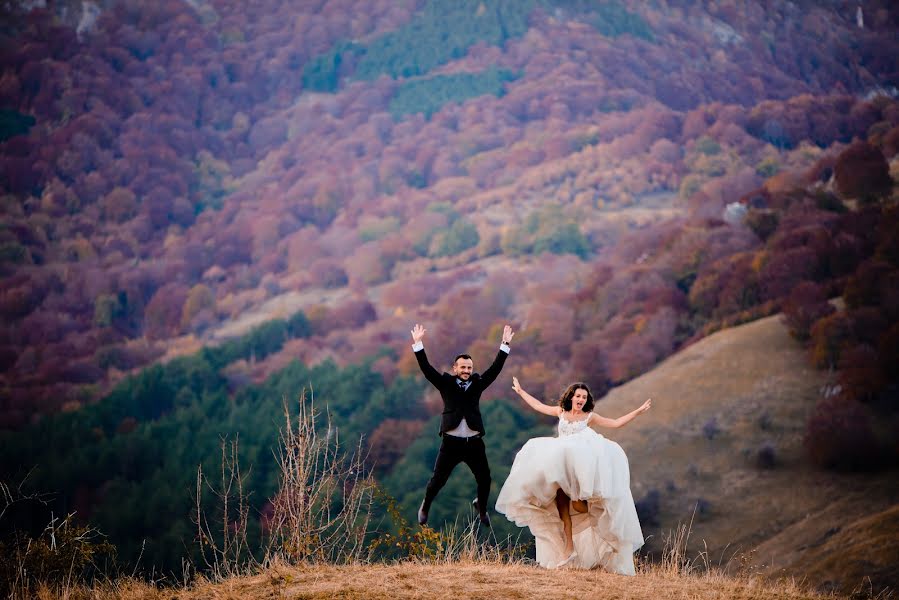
(595, 421)
(553, 411)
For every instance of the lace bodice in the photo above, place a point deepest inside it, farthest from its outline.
(567, 427)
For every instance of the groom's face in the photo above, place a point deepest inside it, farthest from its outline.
(462, 368)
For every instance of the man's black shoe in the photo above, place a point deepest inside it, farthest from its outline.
(422, 514)
(482, 515)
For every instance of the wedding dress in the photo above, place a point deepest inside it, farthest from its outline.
(586, 466)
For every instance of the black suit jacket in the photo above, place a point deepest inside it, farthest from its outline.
(456, 402)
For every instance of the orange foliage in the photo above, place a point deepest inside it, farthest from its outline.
(163, 314)
(199, 298)
(862, 172)
(244, 178)
(828, 337)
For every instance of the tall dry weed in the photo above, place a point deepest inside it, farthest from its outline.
(322, 509)
(320, 512)
(466, 544)
(465, 541)
(224, 547)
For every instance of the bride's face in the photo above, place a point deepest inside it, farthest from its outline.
(579, 400)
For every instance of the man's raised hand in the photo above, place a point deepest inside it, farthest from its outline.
(418, 332)
(507, 334)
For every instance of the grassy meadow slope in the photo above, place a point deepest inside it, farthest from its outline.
(723, 408)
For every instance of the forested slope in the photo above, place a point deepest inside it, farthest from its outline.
(169, 166)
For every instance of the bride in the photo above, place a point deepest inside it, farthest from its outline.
(573, 491)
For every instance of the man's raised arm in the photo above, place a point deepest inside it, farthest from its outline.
(418, 347)
(492, 372)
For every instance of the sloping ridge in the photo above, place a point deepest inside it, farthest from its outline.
(715, 404)
(720, 408)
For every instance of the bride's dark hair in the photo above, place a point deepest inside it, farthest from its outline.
(568, 394)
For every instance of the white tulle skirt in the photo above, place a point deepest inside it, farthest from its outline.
(586, 466)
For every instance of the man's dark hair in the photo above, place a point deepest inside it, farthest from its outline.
(458, 356)
(568, 394)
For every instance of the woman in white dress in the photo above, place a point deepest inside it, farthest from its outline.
(573, 491)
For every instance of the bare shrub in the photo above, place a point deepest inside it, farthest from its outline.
(322, 509)
(61, 557)
(320, 513)
(228, 553)
(711, 430)
(648, 508)
(766, 457)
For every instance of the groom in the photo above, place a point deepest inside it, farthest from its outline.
(461, 427)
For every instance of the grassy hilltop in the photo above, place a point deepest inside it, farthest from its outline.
(471, 580)
(727, 523)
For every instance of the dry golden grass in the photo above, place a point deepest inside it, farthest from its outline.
(453, 580)
(865, 550)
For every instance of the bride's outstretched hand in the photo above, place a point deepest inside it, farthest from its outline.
(516, 387)
(646, 406)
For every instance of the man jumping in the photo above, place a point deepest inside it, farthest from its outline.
(461, 428)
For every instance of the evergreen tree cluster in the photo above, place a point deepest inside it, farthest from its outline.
(128, 464)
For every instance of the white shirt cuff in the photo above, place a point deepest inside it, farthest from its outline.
(419, 345)
(505, 348)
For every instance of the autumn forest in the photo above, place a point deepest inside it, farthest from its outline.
(209, 206)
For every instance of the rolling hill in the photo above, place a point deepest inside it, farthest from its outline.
(722, 448)
(757, 527)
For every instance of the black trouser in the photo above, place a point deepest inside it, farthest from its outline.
(454, 450)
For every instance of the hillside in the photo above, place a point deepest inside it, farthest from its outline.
(761, 526)
(718, 405)
(172, 167)
(649, 211)
(207, 212)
